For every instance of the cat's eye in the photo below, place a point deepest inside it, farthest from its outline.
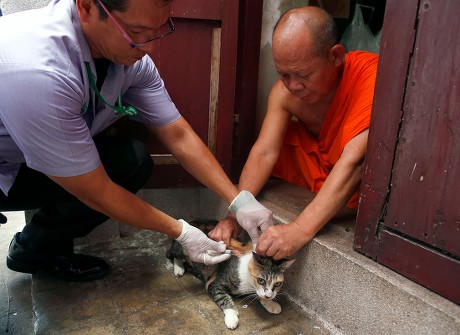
(278, 284)
(261, 281)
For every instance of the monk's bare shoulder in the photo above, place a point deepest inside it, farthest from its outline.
(285, 100)
(311, 116)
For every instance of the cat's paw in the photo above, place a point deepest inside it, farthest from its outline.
(231, 318)
(179, 269)
(271, 306)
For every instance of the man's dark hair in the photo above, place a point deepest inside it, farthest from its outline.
(322, 28)
(118, 5)
(121, 6)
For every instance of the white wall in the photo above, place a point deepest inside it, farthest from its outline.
(11, 6)
(272, 11)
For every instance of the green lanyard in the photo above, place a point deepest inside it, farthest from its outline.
(119, 109)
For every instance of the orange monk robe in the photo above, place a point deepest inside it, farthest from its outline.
(307, 161)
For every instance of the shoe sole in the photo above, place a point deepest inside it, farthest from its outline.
(21, 265)
(24, 267)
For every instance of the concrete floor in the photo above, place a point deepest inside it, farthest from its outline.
(139, 296)
(16, 311)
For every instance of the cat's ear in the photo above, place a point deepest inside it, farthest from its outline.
(257, 257)
(286, 263)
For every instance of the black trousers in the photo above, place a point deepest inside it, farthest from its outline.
(61, 217)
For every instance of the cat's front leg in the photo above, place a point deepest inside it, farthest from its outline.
(220, 295)
(271, 306)
(179, 268)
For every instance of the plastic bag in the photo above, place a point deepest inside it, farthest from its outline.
(358, 36)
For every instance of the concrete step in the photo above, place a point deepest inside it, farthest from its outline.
(331, 289)
(348, 292)
(139, 296)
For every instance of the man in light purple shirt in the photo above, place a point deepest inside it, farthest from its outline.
(75, 68)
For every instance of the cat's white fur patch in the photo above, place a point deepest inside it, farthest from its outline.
(231, 318)
(246, 281)
(179, 269)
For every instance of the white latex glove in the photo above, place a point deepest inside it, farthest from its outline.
(251, 215)
(199, 247)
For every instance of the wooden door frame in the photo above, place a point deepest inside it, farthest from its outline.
(246, 85)
(384, 127)
(237, 90)
(240, 36)
(229, 15)
(374, 235)
(231, 132)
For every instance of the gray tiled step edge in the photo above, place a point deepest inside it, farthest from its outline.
(350, 293)
(347, 292)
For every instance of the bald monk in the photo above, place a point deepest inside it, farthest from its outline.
(316, 127)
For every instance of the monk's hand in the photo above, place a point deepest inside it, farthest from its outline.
(226, 229)
(251, 215)
(282, 241)
(199, 247)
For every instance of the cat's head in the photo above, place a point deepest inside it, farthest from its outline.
(268, 275)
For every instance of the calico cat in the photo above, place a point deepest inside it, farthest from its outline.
(245, 273)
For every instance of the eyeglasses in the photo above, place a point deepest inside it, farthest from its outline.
(133, 44)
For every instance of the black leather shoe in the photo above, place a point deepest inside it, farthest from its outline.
(72, 267)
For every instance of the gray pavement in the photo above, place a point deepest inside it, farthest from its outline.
(16, 309)
(139, 296)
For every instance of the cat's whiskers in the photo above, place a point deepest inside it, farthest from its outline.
(254, 299)
(245, 296)
(250, 298)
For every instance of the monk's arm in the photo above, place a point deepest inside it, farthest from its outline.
(338, 187)
(264, 154)
(282, 241)
(261, 160)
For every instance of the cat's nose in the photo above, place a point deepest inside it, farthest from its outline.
(268, 294)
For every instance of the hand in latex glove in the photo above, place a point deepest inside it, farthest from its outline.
(199, 247)
(251, 215)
